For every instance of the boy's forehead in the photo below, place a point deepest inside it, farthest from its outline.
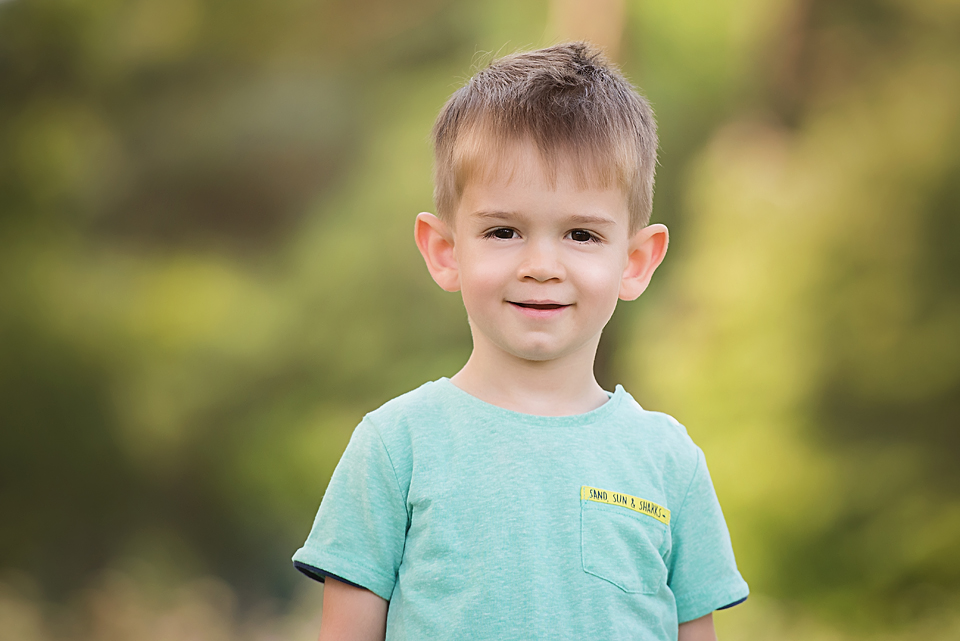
(521, 162)
(517, 182)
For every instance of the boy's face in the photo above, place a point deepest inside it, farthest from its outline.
(540, 266)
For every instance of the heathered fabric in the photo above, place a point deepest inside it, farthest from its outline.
(470, 520)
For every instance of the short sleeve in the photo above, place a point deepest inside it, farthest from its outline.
(703, 574)
(359, 531)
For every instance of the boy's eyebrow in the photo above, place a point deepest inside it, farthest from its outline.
(588, 219)
(581, 219)
(496, 215)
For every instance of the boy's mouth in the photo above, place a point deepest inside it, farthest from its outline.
(534, 305)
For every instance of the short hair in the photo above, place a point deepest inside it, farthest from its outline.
(572, 103)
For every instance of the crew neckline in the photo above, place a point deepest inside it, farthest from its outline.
(479, 405)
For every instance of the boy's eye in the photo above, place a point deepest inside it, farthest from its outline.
(503, 233)
(582, 236)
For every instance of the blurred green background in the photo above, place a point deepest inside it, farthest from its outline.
(207, 276)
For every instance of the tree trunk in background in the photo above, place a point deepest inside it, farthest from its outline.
(597, 21)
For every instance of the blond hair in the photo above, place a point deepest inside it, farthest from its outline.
(571, 103)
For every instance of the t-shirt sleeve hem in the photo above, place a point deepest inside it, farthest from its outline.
(702, 604)
(321, 575)
(730, 605)
(317, 567)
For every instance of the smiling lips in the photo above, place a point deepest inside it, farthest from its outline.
(539, 308)
(531, 305)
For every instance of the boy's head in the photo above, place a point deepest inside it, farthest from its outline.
(545, 165)
(578, 111)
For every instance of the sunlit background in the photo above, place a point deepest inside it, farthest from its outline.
(207, 276)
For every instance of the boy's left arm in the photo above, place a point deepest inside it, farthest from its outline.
(703, 573)
(698, 630)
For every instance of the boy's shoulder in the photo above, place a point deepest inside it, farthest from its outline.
(419, 415)
(419, 404)
(662, 434)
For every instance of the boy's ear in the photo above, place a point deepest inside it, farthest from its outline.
(646, 249)
(435, 242)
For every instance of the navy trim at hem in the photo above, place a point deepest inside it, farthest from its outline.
(730, 605)
(319, 575)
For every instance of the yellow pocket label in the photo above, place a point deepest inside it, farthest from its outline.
(634, 503)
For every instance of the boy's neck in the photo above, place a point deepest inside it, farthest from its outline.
(558, 387)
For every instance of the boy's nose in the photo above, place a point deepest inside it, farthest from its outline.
(541, 262)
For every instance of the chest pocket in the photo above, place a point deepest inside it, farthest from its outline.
(623, 547)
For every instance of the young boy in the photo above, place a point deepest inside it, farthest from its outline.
(518, 499)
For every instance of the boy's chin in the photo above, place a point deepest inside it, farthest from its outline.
(539, 357)
(543, 354)
(535, 350)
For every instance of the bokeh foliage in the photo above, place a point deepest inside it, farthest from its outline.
(811, 333)
(207, 276)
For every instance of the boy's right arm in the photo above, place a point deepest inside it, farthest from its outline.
(351, 613)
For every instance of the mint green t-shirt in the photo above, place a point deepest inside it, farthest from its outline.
(477, 522)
